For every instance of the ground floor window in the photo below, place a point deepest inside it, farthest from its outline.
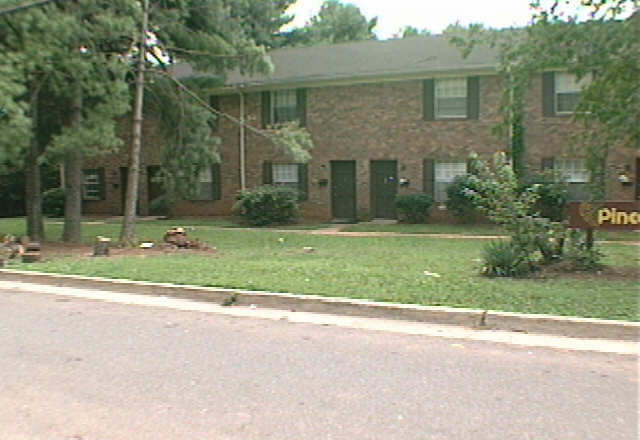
(292, 175)
(207, 185)
(445, 173)
(92, 185)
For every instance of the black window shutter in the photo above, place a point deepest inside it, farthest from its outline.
(267, 173)
(103, 183)
(302, 182)
(548, 94)
(473, 97)
(428, 173)
(301, 101)
(216, 181)
(266, 109)
(547, 163)
(428, 99)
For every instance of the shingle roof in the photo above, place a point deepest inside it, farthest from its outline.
(361, 61)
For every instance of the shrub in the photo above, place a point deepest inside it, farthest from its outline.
(268, 204)
(53, 201)
(579, 255)
(460, 199)
(505, 259)
(553, 196)
(414, 207)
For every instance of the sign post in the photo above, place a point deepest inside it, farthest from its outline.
(610, 215)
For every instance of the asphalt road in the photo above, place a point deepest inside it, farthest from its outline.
(81, 369)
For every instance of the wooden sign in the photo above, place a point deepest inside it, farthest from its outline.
(605, 215)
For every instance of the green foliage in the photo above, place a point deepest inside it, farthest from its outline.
(552, 196)
(414, 207)
(335, 23)
(580, 254)
(504, 259)
(412, 31)
(460, 197)
(53, 201)
(538, 240)
(267, 205)
(294, 140)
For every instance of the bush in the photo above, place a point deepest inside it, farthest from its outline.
(268, 205)
(579, 255)
(505, 259)
(53, 201)
(553, 196)
(414, 207)
(460, 199)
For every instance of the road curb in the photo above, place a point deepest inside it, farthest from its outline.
(527, 323)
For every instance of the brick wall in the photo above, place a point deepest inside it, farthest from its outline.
(380, 121)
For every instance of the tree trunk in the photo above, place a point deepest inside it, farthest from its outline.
(128, 232)
(72, 232)
(33, 187)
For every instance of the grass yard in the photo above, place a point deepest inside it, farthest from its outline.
(393, 269)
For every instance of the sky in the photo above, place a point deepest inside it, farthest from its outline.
(433, 15)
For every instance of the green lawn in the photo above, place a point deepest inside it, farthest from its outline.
(381, 268)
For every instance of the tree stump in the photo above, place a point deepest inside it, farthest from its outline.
(101, 247)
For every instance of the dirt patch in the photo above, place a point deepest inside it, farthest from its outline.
(625, 273)
(52, 251)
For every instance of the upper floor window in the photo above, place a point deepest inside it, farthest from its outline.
(282, 106)
(451, 98)
(567, 91)
(561, 92)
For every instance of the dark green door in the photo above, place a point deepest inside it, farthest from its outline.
(343, 190)
(155, 191)
(384, 185)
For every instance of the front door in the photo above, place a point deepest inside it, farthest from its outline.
(343, 190)
(384, 186)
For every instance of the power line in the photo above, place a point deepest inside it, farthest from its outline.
(15, 9)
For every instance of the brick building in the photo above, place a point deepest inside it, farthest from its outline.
(386, 117)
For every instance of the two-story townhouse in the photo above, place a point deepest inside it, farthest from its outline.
(386, 117)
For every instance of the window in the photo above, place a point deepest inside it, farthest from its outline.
(92, 184)
(574, 170)
(561, 92)
(285, 174)
(282, 106)
(445, 173)
(207, 186)
(451, 98)
(292, 175)
(568, 90)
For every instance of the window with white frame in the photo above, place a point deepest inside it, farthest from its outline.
(204, 187)
(573, 170)
(445, 173)
(285, 174)
(91, 186)
(451, 98)
(284, 106)
(568, 90)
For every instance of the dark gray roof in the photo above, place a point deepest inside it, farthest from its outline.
(361, 61)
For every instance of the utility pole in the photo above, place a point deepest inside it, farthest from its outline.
(128, 233)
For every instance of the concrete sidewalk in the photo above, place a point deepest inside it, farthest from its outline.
(479, 319)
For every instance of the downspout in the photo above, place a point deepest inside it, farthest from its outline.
(243, 177)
